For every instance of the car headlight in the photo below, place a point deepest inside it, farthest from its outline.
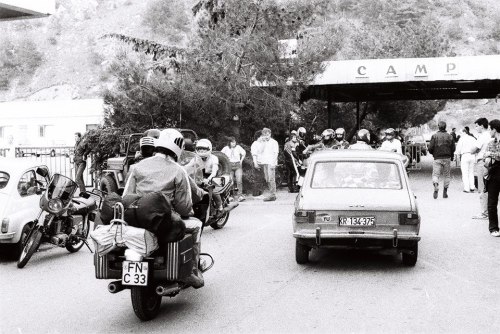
(55, 205)
(5, 225)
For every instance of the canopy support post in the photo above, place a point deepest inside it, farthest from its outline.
(330, 114)
(358, 123)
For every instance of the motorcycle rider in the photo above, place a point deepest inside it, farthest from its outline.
(292, 161)
(209, 164)
(147, 148)
(391, 143)
(340, 137)
(161, 172)
(362, 141)
(327, 142)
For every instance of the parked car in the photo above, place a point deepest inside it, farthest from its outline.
(20, 191)
(356, 199)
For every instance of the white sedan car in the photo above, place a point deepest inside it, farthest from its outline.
(356, 199)
(20, 191)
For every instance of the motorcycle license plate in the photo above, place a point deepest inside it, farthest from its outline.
(357, 221)
(135, 273)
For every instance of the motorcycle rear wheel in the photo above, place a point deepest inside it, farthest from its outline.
(146, 302)
(73, 246)
(32, 243)
(220, 222)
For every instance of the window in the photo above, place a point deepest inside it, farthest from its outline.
(27, 184)
(356, 174)
(42, 181)
(42, 130)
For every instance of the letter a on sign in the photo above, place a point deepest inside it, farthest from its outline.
(391, 70)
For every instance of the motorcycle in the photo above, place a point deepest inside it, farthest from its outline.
(64, 220)
(149, 278)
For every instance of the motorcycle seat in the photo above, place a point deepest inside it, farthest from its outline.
(83, 206)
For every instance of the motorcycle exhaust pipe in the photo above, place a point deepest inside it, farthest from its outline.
(168, 290)
(115, 287)
(231, 206)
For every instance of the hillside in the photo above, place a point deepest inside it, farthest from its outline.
(68, 58)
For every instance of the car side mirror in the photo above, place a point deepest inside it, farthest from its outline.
(219, 181)
(42, 171)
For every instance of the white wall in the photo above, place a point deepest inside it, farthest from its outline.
(60, 118)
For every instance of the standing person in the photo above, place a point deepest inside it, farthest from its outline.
(492, 162)
(442, 147)
(236, 155)
(391, 143)
(483, 139)
(81, 152)
(11, 153)
(464, 148)
(291, 162)
(454, 135)
(362, 141)
(268, 160)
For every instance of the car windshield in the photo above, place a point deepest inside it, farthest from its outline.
(4, 179)
(356, 174)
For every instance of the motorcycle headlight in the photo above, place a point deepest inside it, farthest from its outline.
(55, 205)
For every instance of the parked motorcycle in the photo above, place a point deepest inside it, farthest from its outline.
(64, 220)
(149, 278)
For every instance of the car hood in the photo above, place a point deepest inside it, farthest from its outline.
(355, 199)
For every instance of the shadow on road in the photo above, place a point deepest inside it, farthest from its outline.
(356, 260)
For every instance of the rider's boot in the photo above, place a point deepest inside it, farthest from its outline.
(196, 278)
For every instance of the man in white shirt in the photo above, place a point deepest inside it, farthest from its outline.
(236, 155)
(483, 140)
(465, 145)
(390, 143)
(266, 157)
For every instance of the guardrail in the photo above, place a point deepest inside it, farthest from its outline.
(414, 153)
(58, 159)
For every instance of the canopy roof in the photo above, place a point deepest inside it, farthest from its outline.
(25, 9)
(473, 77)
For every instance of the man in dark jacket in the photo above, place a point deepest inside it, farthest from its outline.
(442, 147)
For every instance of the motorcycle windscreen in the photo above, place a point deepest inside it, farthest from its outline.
(61, 187)
(190, 162)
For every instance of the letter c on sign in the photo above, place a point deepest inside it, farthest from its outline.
(362, 68)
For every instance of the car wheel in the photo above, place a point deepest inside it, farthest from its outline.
(301, 253)
(410, 256)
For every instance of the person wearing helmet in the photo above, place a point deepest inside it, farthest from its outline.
(390, 143)
(327, 141)
(161, 172)
(302, 133)
(362, 141)
(147, 148)
(209, 164)
(340, 137)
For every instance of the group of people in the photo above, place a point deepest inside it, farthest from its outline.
(478, 157)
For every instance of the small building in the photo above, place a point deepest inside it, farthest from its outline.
(47, 123)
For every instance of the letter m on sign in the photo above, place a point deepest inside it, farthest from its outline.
(421, 71)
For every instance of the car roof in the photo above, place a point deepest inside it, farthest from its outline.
(17, 166)
(354, 154)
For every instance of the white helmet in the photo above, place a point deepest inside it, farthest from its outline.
(171, 140)
(203, 148)
(302, 131)
(340, 131)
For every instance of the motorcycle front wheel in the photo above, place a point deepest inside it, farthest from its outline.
(220, 222)
(32, 243)
(146, 302)
(77, 241)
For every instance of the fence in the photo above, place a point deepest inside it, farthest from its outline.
(58, 159)
(414, 153)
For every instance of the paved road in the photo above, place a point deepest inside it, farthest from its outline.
(256, 286)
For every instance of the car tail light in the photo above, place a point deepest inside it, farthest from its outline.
(5, 225)
(305, 216)
(409, 218)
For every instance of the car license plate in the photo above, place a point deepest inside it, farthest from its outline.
(357, 221)
(135, 273)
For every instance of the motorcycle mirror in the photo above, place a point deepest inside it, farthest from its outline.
(42, 171)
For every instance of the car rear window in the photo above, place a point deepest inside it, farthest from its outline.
(356, 174)
(4, 179)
